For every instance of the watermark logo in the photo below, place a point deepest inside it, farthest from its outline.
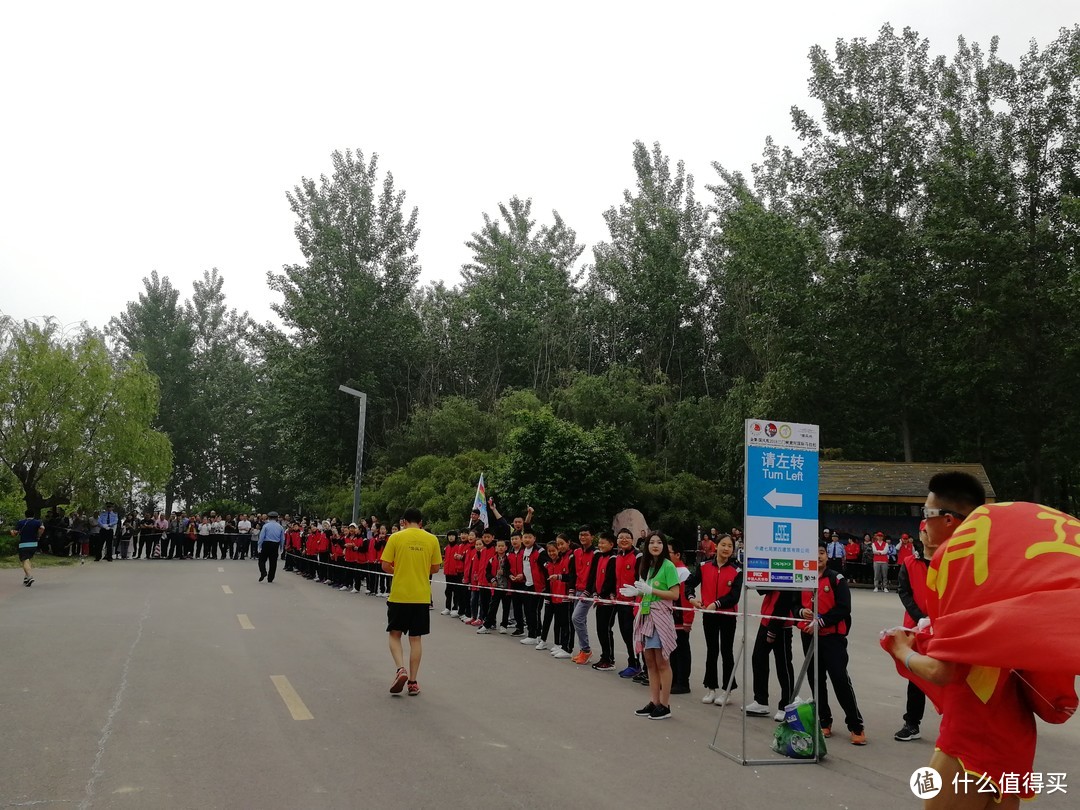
(925, 783)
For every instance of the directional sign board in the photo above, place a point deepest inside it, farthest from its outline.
(781, 504)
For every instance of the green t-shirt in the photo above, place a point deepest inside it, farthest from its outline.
(664, 580)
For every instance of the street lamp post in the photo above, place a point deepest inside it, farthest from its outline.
(359, 448)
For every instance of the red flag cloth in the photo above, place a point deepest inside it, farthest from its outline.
(1004, 591)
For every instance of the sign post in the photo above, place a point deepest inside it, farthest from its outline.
(780, 530)
(781, 486)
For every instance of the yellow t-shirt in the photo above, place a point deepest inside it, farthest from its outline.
(412, 551)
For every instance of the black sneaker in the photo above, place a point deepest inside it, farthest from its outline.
(680, 689)
(646, 710)
(28, 581)
(641, 678)
(907, 733)
(518, 632)
(660, 713)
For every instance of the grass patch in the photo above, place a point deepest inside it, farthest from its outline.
(39, 561)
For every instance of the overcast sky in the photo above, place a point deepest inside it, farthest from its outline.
(164, 136)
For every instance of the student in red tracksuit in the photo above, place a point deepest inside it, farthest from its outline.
(914, 595)
(517, 586)
(880, 547)
(337, 560)
(362, 543)
(452, 569)
(833, 621)
(558, 608)
(486, 553)
(580, 565)
(773, 638)
(533, 558)
(318, 547)
(351, 542)
(367, 554)
(473, 568)
(721, 584)
(496, 577)
(623, 569)
(383, 579)
(604, 589)
(292, 546)
(684, 622)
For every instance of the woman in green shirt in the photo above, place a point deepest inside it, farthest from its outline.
(654, 625)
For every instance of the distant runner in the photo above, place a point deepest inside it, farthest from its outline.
(29, 531)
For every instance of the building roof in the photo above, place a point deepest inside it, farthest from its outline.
(886, 481)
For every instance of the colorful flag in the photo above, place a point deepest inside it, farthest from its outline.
(480, 501)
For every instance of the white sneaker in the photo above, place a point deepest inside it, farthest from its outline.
(554, 650)
(502, 631)
(710, 696)
(316, 580)
(720, 700)
(886, 590)
(444, 612)
(877, 590)
(353, 590)
(560, 653)
(454, 614)
(528, 640)
(756, 709)
(483, 631)
(779, 716)
(343, 588)
(542, 645)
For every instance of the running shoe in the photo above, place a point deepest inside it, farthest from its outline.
(561, 653)
(646, 710)
(858, 737)
(907, 733)
(660, 713)
(629, 672)
(399, 681)
(582, 657)
(414, 688)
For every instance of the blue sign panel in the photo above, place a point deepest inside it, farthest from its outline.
(781, 483)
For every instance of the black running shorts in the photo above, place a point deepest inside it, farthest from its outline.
(413, 618)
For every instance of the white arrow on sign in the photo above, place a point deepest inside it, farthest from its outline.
(792, 499)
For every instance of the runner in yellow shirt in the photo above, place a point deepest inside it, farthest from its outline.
(411, 555)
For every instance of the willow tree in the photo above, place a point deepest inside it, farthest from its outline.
(75, 422)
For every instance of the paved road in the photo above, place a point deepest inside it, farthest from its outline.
(135, 685)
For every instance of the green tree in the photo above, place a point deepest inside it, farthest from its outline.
(350, 317)
(75, 423)
(648, 277)
(519, 294)
(569, 474)
(154, 327)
